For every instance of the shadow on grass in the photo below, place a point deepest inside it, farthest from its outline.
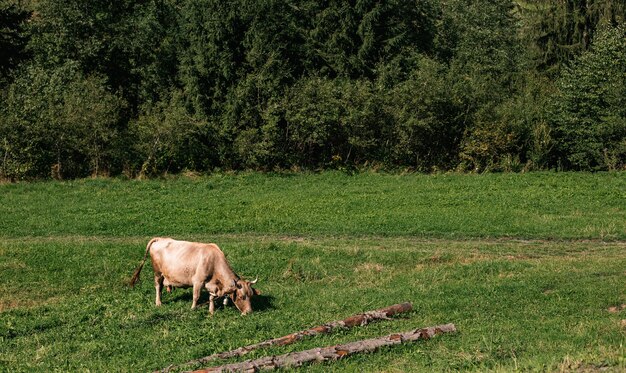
(263, 303)
(184, 295)
(259, 302)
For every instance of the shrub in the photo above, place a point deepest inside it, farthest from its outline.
(59, 123)
(333, 121)
(426, 126)
(169, 138)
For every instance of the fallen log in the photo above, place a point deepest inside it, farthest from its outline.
(356, 320)
(296, 359)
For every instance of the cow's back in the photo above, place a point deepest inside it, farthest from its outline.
(182, 262)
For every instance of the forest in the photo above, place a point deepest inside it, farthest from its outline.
(152, 87)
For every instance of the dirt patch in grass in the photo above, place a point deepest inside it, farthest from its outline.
(13, 265)
(10, 304)
(369, 267)
(616, 309)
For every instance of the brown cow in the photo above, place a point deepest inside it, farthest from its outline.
(185, 264)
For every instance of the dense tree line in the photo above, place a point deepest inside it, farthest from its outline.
(152, 86)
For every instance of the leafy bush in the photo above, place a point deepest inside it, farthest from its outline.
(333, 121)
(515, 135)
(58, 122)
(424, 120)
(169, 138)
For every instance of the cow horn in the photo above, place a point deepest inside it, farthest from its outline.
(254, 281)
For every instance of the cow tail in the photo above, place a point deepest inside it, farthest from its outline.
(135, 277)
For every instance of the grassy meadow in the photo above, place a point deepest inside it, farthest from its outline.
(530, 267)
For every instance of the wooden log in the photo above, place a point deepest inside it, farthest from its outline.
(352, 321)
(296, 359)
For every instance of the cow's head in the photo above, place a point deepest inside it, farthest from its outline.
(243, 294)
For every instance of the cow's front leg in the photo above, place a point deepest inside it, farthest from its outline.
(158, 285)
(197, 287)
(211, 304)
(212, 288)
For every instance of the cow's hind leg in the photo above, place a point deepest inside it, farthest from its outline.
(158, 284)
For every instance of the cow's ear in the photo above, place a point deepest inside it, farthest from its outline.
(256, 291)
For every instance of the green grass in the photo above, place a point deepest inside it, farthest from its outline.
(525, 265)
(541, 205)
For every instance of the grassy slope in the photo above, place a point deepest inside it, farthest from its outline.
(537, 205)
(325, 246)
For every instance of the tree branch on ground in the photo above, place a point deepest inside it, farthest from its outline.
(332, 353)
(352, 321)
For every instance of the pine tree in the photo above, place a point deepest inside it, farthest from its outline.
(555, 31)
(13, 38)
